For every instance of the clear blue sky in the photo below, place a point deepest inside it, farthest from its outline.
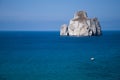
(46, 15)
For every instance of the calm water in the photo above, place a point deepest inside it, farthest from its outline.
(47, 56)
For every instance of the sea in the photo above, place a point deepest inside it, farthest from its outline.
(45, 55)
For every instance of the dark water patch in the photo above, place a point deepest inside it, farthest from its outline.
(3, 77)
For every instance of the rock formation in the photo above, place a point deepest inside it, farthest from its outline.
(81, 25)
(64, 30)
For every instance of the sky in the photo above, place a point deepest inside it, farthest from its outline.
(49, 15)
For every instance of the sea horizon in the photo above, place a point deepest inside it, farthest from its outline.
(37, 42)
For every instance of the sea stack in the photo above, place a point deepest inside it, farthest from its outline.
(81, 25)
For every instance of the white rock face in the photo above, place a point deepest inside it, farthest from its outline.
(64, 30)
(81, 25)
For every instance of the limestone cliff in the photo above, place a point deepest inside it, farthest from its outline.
(81, 25)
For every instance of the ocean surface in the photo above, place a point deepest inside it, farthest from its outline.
(29, 55)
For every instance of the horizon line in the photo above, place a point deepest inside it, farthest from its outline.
(46, 30)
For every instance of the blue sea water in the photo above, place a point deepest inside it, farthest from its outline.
(26, 55)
